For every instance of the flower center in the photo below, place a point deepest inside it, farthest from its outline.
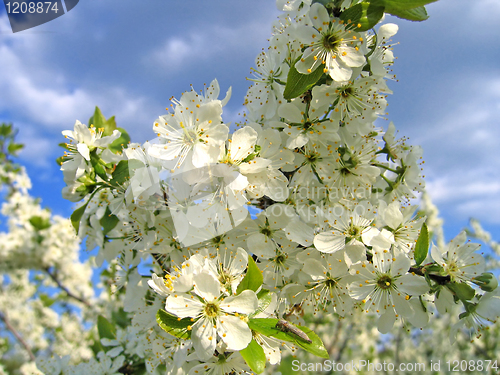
(330, 42)
(225, 278)
(346, 92)
(211, 310)
(384, 282)
(190, 137)
(330, 283)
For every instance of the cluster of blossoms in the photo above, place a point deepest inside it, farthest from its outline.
(43, 283)
(332, 230)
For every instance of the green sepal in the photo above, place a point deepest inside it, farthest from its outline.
(39, 223)
(100, 122)
(120, 143)
(253, 278)
(254, 356)
(105, 328)
(96, 162)
(422, 245)
(364, 15)
(175, 326)
(108, 221)
(267, 327)
(298, 83)
(462, 291)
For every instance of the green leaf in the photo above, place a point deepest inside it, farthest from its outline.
(254, 356)
(5, 130)
(364, 15)
(422, 245)
(39, 223)
(121, 174)
(415, 14)
(105, 328)
(175, 326)
(76, 216)
(118, 144)
(253, 278)
(265, 299)
(46, 300)
(12, 148)
(463, 291)
(316, 347)
(297, 83)
(108, 221)
(100, 122)
(391, 5)
(121, 318)
(267, 327)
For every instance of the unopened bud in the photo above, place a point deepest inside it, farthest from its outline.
(487, 282)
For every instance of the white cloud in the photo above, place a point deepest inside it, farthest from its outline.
(467, 194)
(199, 46)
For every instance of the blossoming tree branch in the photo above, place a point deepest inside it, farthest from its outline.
(232, 246)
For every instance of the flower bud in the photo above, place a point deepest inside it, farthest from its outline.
(487, 282)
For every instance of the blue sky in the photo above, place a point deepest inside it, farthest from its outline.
(130, 56)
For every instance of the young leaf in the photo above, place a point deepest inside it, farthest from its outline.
(253, 278)
(76, 216)
(254, 356)
(100, 122)
(422, 245)
(463, 291)
(415, 14)
(391, 5)
(118, 144)
(297, 83)
(121, 173)
(108, 221)
(39, 223)
(364, 15)
(105, 328)
(175, 326)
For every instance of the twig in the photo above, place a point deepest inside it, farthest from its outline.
(66, 290)
(16, 334)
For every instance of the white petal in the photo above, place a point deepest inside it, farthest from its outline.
(300, 232)
(183, 306)
(412, 284)
(327, 242)
(386, 321)
(206, 286)
(261, 245)
(203, 337)
(83, 149)
(244, 303)
(234, 332)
